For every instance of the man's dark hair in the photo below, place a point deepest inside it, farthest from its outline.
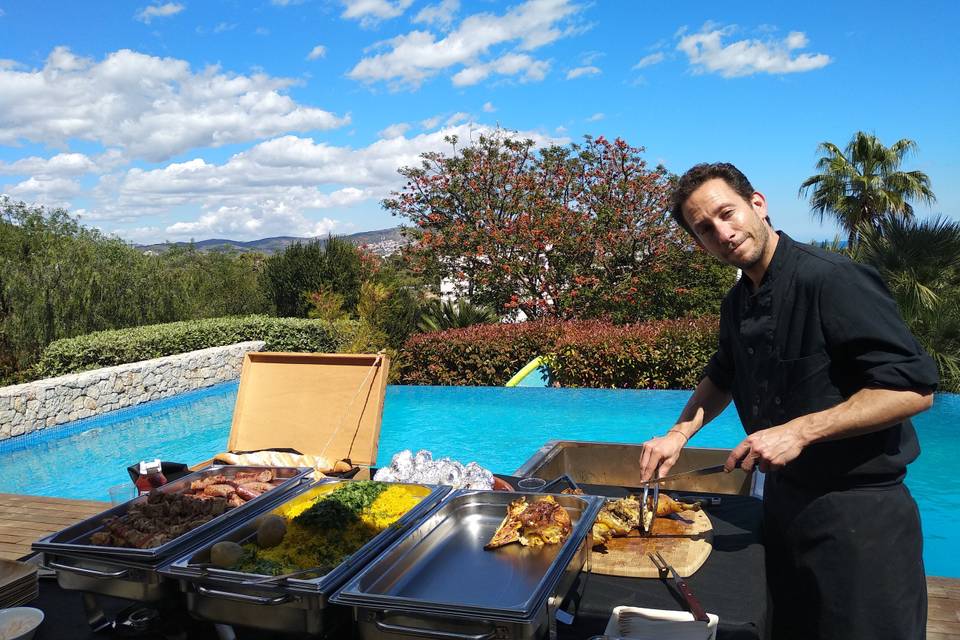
(697, 175)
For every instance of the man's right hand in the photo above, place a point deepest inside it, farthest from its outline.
(660, 454)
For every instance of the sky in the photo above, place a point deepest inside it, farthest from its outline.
(246, 119)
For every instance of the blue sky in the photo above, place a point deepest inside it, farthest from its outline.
(247, 119)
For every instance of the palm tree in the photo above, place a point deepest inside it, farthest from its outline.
(920, 261)
(864, 183)
(439, 316)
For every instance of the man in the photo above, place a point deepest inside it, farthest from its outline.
(825, 376)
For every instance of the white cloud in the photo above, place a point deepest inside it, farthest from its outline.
(650, 60)
(60, 165)
(370, 12)
(488, 107)
(457, 118)
(285, 3)
(318, 51)
(261, 31)
(412, 58)
(49, 191)
(582, 71)
(432, 122)
(224, 26)
(275, 187)
(150, 107)
(597, 117)
(708, 53)
(512, 64)
(440, 15)
(394, 130)
(147, 14)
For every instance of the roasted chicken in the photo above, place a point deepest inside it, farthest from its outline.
(532, 524)
(618, 517)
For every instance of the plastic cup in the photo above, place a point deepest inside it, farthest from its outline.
(531, 484)
(122, 493)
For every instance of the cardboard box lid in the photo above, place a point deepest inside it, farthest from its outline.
(317, 403)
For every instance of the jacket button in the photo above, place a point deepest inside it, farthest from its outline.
(776, 400)
(750, 350)
(756, 410)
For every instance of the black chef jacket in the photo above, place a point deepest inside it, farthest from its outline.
(819, 328)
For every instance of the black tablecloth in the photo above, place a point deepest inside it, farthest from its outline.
(731, 584)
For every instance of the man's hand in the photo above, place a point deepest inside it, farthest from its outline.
(767, 449)
(662, 452)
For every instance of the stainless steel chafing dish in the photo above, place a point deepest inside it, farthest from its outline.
(437, 581)
(616, 464)
(131, 573)
(290, 605)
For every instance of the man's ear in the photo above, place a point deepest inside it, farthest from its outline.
(759, 203)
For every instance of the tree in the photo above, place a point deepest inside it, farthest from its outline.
(440, 315)
(561, 232)
(920, 262)
(304, 268)
(864, 183)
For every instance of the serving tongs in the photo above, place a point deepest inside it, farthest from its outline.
(208, 568)
(648, 512)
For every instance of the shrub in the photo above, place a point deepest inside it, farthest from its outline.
(665, 354)
(483, 354)
(109, 348)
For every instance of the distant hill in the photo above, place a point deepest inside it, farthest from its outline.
(382, 241)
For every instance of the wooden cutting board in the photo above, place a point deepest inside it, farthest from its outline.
(684, 540)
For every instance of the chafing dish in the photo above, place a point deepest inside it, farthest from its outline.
(131, 573)
(617, 464)
(437, 581)
(292, 605)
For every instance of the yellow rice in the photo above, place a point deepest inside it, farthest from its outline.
(303, 548)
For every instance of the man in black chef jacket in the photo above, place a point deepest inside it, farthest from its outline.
(825, 377)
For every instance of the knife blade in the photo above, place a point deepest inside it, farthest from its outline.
(705, 471)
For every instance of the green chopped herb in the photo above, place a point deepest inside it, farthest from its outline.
(342, 506)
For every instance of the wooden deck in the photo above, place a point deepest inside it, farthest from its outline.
(23, 519)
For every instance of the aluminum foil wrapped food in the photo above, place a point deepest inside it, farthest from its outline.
(422, 468)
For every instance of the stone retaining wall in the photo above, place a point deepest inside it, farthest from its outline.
(25, 408)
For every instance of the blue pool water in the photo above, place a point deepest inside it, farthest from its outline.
(498, 427)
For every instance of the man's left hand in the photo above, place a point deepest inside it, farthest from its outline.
(767, 449)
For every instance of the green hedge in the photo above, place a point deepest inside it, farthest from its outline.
(665, 354)
(120, 346)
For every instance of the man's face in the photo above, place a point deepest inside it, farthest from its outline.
(728, 227)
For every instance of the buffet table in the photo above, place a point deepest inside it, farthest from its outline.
(731, 584)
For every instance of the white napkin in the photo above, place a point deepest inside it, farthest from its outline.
(637, 623)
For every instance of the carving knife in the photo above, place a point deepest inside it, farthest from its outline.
(705, 471)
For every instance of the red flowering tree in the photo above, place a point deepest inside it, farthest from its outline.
(563, 232)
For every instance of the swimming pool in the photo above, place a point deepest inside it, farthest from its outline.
(498, 427)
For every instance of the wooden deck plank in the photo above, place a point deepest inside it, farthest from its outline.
(24, 519)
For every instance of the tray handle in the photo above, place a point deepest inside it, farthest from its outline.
(93, 573)
(242, 597)
(434, 634)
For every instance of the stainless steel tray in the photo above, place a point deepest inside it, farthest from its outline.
(293, 605)
(75, 539)
(441, 566)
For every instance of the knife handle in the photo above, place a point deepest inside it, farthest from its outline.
(699, 613)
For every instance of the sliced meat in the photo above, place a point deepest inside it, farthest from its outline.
(219, 490)
(259, 487)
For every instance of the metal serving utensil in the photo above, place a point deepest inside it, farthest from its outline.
(645, 507)
(693, 605)
(282, 577)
